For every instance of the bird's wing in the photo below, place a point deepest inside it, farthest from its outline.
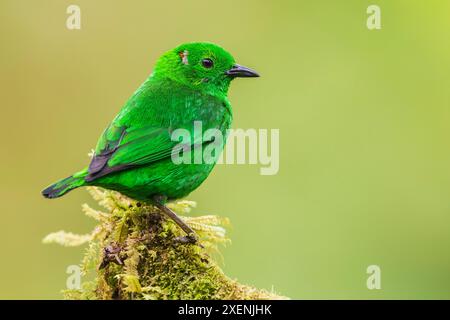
(122, 148)
(141, 133)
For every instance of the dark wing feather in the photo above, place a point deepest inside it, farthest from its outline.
(136, 148)
(99, 160)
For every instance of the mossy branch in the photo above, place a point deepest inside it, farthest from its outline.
(132, 254)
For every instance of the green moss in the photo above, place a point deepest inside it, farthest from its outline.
(132, 254)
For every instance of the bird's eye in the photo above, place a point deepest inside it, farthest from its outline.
(207, 63)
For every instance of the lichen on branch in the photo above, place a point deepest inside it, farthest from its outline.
(132, 253)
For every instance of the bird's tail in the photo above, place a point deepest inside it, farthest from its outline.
(63, 186)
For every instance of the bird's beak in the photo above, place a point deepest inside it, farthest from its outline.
(242, 72)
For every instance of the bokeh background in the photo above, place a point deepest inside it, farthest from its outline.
(364, 119)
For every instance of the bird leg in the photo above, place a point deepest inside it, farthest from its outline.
(191, 236)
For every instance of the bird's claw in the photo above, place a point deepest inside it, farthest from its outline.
(188, 239)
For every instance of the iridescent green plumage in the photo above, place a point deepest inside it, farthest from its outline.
(133, 155)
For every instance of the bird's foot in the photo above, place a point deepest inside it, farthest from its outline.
(191, 238)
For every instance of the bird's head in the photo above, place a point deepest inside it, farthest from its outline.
(202, 65)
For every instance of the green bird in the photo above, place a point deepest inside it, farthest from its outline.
(134, 155)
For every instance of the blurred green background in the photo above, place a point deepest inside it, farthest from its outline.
(364, 119)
